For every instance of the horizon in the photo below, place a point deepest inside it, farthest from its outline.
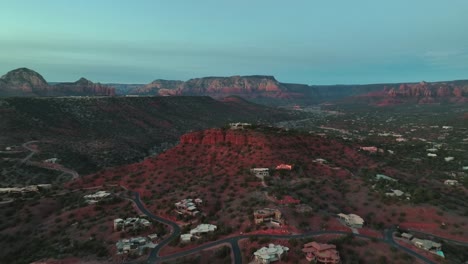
(250, 75)
(362, 42)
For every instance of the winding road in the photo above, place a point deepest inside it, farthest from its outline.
(234, 241)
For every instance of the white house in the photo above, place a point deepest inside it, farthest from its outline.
(451, 182)
(352, 220)
(273, 252)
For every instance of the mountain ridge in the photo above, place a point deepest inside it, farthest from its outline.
(26, 82)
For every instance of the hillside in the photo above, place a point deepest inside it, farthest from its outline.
(26, 82)
(91, 133)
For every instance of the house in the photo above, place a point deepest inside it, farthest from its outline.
(284, 167)
(449, 159)
(426, 244)
(396, 193)
(203, 229)
(321, 253)
(133, 245)
(186, 237)
(131, 223)
(197, 231)
(432, 150)
(407, 236)
(451, 182)
(96, 197)
(236, 126)
(369, 149)
(465, 168)
(447, 127)
(432, 155)
(260, 172)
(268, 215)
(188, 207)
(352, 220)
(269, 254)
(152, 236)
(384, 177)
(52, 160)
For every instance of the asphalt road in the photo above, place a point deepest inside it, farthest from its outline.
(234, 241)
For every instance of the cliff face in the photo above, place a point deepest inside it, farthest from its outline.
(26, 82)
(218, 87)
(429, 92)
(23, 81)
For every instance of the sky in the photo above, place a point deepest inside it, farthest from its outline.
(298, 41)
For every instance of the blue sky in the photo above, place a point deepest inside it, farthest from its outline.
(302, 41)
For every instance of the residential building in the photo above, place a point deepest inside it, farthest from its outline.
(188, 206)
(268, 215)
(260, 172)
(52, 160)
(396, 193)
(131, 223)
(407, 236)
(426, 244)
(451, 182)
(96, 197)
(284, 167)
(197, 231)
(321, 253)
(269, 254)
(352, 220)
(449, 159)
(186, 237)
(384, 177)
(432, 155)
(239, 125)
(203, 229)
(133, 245)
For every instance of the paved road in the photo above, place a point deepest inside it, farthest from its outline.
(31, 151)
(234, 241)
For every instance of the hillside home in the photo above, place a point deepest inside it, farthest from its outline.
(369, 149)
(188, 206)
(426, 244)
(268, 215)
(284, 167)
(236, 126)
(260, 172)
(384, 177)
(198, 231)
(396, 193)
(465, 168)
(186, 237)
(321, 253)
(130, 224)
(432, 150)
(133, 245)
(432, 155)
(451, 182)
(449, 159)
(96, 197)
(269, 254)
(203, 229)
(352, 220)
(52, 160)
(407, 236)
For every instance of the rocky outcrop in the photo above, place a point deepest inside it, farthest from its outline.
(219, 87)
(26, 82)
(218, 136)
(23, 82)
(83, 87)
